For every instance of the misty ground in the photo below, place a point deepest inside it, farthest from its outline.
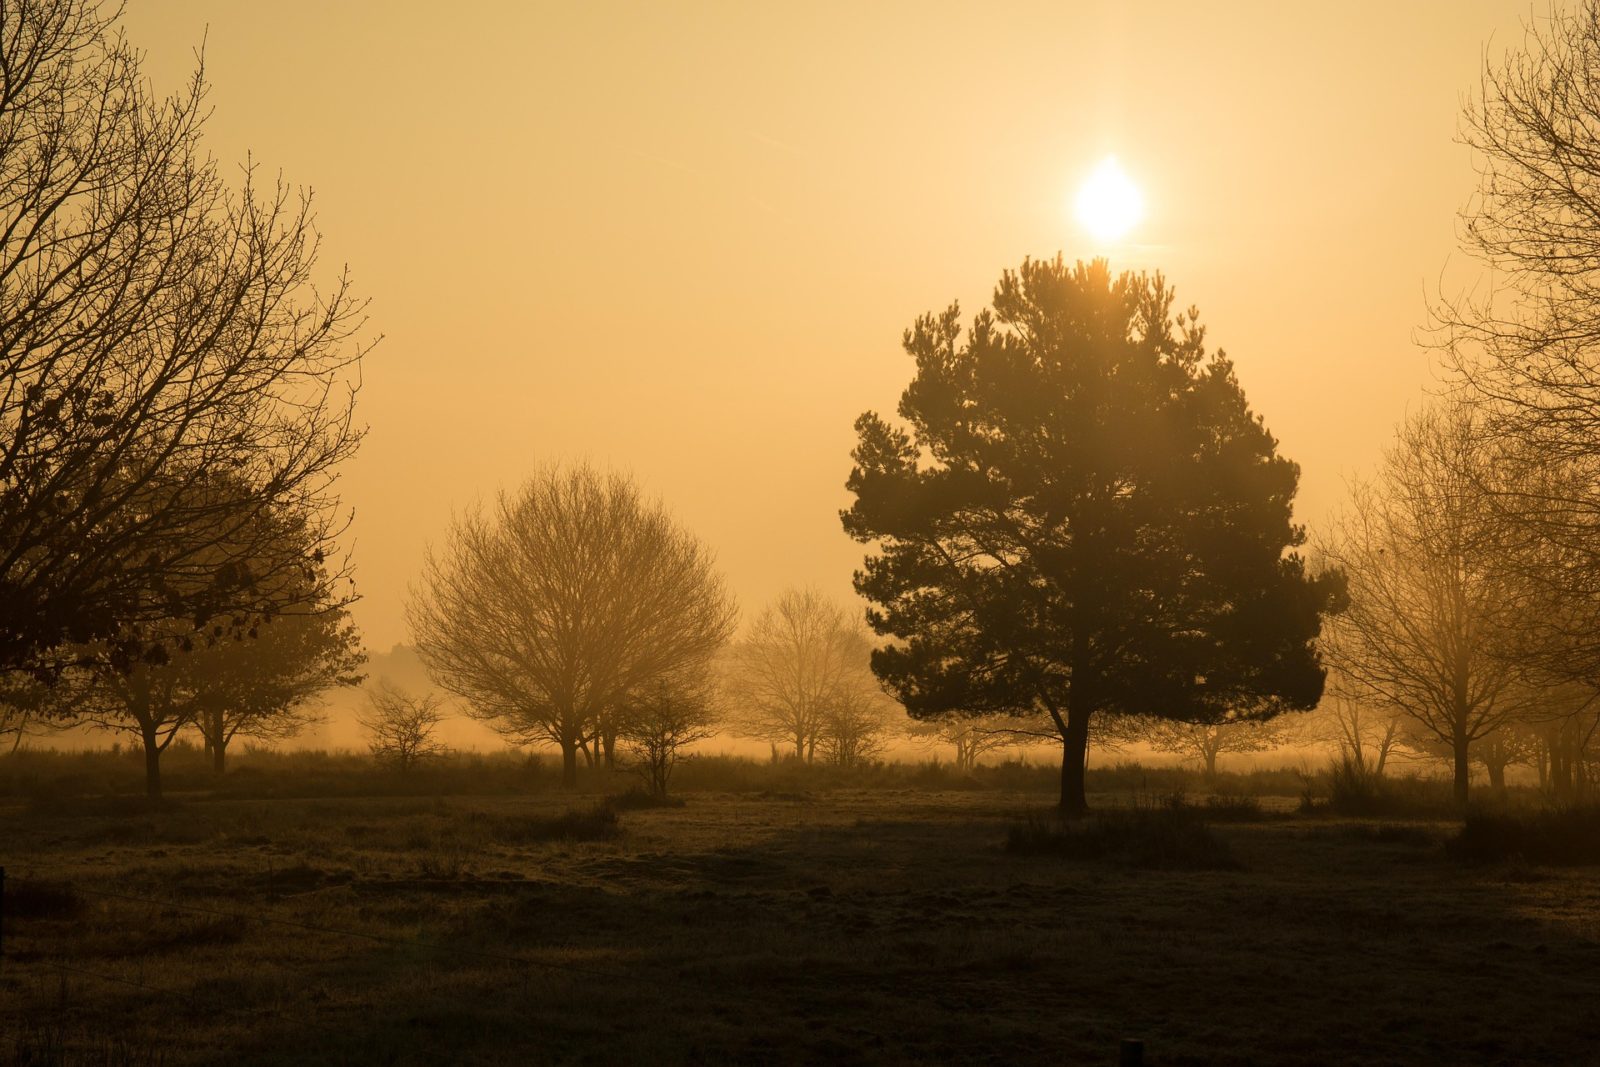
(848, 925)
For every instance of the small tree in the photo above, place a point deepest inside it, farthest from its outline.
(1083, 518)
(400, 727)
(1365, 735)
(975, 738)
(572, 596)
(803, 664)
(1204, 742)
(152, 698)
(660, 723)
(1439, 617)
(857, 728)
(265, 686)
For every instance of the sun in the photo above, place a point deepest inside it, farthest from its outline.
(1108, 203)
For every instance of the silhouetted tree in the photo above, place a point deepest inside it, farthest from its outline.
(21, 699)
(1084, 518)
(857, 729)
(1204, 742)
(263, 684)
(573, 595)
(237, 673)
(1438, 612)
(976, 737)
(1567, 725)
(169, 374)
(1366, 736)
(669, 715)
(803, 661)
(1525, 346)
(400, 727)
(152, 698)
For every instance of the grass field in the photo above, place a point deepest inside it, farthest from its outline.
(884, 925)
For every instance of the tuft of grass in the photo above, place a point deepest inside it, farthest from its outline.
(1558, 836)
(1357, 792)
(1233, 809)
(1174, 838)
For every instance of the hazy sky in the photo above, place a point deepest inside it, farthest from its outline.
(683, 240)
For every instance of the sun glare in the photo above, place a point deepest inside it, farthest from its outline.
(1109, 204)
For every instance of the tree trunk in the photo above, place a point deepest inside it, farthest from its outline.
(1497, 775)
(152, 767)
(1561, 772)
(569, 765)
(1211, 764)
(609, 741)
(1463, 771)
(1074, 762)
(219, 755)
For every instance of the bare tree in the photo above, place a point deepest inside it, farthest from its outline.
(1364, 734)
(170, 375)
(663, 720)
(977, 737)
(400, 727)
(1525, 346)
(803, 662)
(1437, 617)
(1528, 342)
(571, 596)
(1204, 742)
(859, 726)
(1565, 725)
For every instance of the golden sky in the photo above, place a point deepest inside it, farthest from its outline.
(683, 240)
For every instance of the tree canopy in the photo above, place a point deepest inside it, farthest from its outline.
(1084, 517)
(171, 376)
(570, 598)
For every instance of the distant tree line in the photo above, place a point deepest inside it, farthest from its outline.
(1077, 529)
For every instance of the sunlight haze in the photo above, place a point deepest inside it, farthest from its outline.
(685, 241)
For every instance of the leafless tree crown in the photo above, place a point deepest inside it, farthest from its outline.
(170, 374)
(547, 612)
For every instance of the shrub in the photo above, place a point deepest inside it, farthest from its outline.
(1224, 808)
(1165, 838)
(1563, 836)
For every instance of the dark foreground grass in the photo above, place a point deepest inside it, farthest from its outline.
(51, 777)
(1171, 838)
(853, 926)
(1565, 836)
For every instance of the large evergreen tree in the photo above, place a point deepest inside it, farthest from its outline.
(1084, 518)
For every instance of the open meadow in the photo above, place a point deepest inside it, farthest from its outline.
(291, 915)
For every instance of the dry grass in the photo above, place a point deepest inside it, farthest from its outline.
(884, 926)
